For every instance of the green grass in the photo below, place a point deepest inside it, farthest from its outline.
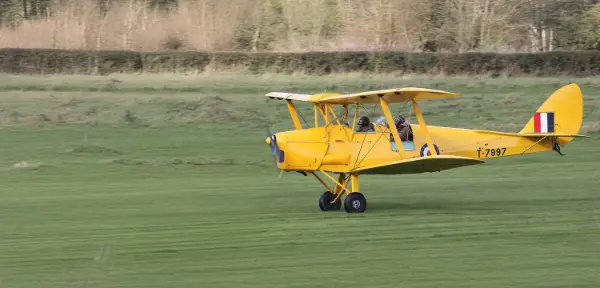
(182, 192)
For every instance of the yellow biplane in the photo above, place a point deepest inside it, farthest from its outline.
(336, 147)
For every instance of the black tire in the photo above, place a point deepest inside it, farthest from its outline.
(355, 203)
(325, 205)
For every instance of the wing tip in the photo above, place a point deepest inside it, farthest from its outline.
(288, 96)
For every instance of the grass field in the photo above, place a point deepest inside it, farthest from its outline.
(165, 181)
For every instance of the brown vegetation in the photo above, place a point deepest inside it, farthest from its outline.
(301, 25)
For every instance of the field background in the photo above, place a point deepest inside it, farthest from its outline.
(165, 181)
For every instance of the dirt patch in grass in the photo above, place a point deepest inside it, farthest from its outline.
(129, 162)
(186, 161)
(591, 128)
(92, 149)
(204, 161)
(209, 109)
(30, 165)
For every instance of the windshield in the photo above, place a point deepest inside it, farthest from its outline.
(381, 121)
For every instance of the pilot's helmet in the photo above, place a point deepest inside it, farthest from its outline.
(399, 119)
(363, 121)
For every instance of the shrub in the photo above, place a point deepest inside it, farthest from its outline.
(46, 61)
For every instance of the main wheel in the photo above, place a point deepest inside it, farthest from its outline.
(325, 202)
(355, 203)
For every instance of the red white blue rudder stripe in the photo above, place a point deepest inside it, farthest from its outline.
(543, 122)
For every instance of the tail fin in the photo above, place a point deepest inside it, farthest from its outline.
(561, 114)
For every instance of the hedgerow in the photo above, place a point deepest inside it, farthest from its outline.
(48, 61)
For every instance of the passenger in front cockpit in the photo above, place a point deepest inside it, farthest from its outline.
(364, 125)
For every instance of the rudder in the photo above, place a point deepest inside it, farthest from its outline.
(561, 113)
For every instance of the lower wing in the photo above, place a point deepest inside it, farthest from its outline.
(419, 165)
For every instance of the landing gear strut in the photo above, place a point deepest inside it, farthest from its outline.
(354, 202)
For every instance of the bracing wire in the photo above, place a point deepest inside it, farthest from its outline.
(302, 117)
(381, 134)
(364, 138)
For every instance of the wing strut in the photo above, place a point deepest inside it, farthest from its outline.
(388, 116)
(423, 127)
(294, 114)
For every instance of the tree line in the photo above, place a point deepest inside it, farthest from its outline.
(302, 25)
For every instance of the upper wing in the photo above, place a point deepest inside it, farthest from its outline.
(420, 165)
(391, 95)
(289, 96)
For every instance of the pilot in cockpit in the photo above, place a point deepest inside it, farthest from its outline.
(404, 130)
(364, 125)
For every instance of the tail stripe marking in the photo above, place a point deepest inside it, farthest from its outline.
(550, 122)
(543, 122)
(536, 123)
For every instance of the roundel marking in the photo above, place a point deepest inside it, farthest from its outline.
(425, 150)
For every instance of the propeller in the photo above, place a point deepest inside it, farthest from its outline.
(275, 151)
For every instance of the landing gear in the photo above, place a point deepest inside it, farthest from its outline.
(355, 203)
(325, 202)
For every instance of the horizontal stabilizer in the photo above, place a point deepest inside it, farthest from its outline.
(419, 165)
(551, 135)
(532, 134)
